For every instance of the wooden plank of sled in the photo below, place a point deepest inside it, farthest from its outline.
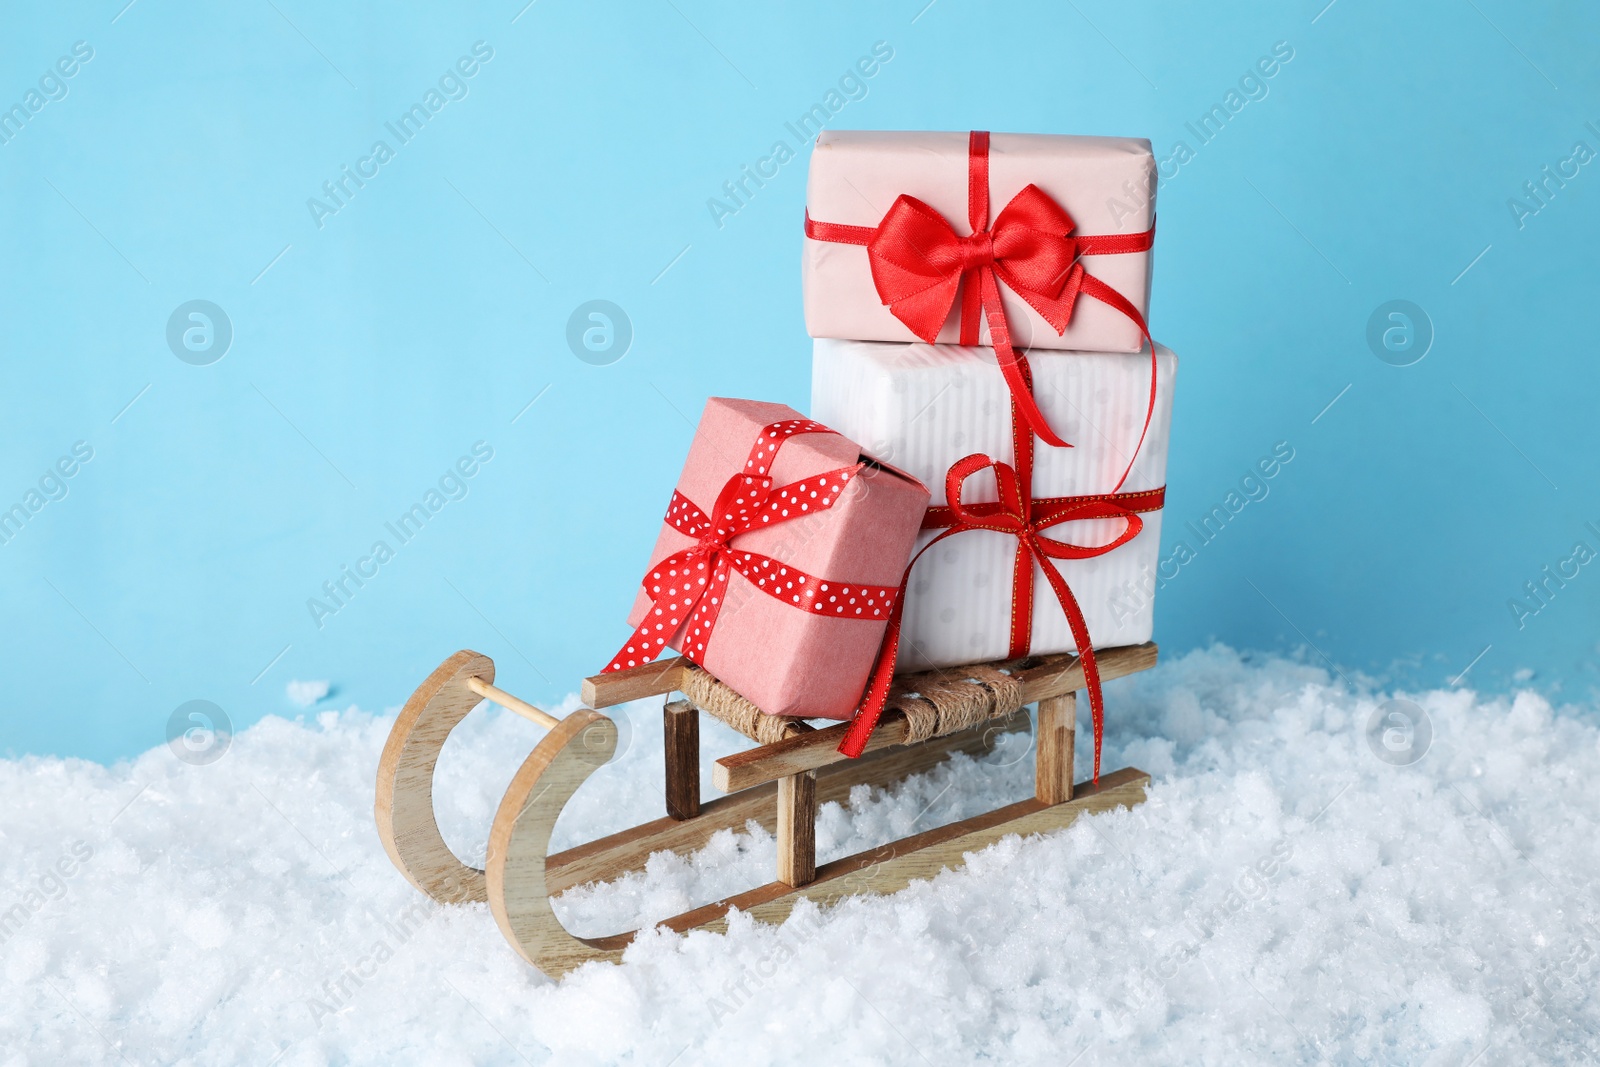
(403, 803)
(611, 857)
(680, 736)
(1053, 748)
(797, 828)
(633, 683)
(1054, 677)
(896, 865)
(515, 876)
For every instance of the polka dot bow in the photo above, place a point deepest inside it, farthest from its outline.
(688, 589)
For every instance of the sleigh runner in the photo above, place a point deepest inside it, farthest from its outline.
(779, 783)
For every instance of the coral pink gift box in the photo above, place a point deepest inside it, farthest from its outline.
(779, 560)
(1105, 185)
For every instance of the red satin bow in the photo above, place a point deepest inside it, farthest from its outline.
(1018, 514)
(919, 264)
(692, 584)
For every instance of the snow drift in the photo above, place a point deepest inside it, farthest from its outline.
(1319, 875)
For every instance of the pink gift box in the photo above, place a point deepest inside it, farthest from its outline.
(781, 657)
(1106, 184)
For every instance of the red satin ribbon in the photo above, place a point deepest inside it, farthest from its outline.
(1018, 514)
(919, 264)
(691, 584)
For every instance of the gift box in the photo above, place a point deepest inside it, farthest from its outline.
(779, 561)
(1069, 221)
(923, 407)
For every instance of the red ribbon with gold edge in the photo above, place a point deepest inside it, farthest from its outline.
(1018, 514)
(691, 584)
(919, 264)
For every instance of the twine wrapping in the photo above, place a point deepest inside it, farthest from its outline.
(723, 704)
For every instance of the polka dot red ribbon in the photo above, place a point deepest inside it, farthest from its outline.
(688, 589)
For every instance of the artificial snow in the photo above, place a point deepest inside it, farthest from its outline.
(304, 694)
(1298, 888)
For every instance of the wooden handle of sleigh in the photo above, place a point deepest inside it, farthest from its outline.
(511, 703)
(404, 802)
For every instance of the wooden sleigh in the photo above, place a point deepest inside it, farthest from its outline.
(779, 783)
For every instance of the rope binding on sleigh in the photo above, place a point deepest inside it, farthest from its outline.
(935, 703)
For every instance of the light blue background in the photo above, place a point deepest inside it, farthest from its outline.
(432, 308)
